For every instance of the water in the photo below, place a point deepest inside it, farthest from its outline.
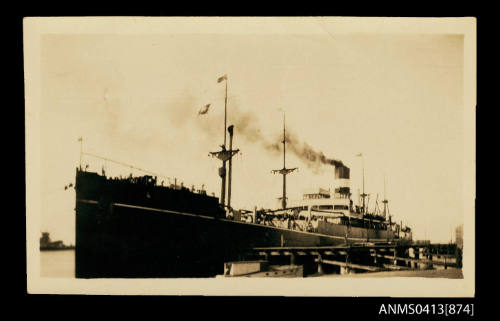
(57, 264)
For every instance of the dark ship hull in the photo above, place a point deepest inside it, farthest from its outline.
(141, 230)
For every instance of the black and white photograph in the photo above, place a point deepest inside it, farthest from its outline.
(301, 156)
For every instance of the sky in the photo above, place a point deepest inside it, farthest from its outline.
(395, 98)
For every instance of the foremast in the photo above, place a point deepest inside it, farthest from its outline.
(225, 155)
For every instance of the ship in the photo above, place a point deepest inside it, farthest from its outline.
(137, 227)
(46, 244)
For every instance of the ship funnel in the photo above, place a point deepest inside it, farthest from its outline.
(342, 172)
(342, 186)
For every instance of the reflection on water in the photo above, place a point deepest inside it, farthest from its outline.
(57, 264)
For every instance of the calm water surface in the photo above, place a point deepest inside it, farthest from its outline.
(57, 264)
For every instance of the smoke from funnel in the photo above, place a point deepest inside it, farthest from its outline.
(247, 127)
(313, 159)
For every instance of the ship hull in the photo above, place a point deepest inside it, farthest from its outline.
(127, 241)
(133, 228)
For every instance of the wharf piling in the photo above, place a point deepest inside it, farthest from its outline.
(361, 258)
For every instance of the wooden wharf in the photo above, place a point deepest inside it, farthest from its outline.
(363, 257)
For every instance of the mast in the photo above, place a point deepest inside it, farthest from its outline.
(283, 202)
(364, 195)
(81, 150)
(225, 114)
(222, 171)
(284, 171)
(284, 140)
(224, 155)
(385, 201)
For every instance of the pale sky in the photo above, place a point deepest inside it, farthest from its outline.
(396, 98)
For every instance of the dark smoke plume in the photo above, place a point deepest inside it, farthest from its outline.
(246, 125)
(313, 158)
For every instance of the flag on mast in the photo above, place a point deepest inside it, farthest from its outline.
(359, 155)
(222, 78)
(204, 110)
(80, 139)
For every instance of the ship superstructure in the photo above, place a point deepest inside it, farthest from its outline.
(329, 202)
(332, 211)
